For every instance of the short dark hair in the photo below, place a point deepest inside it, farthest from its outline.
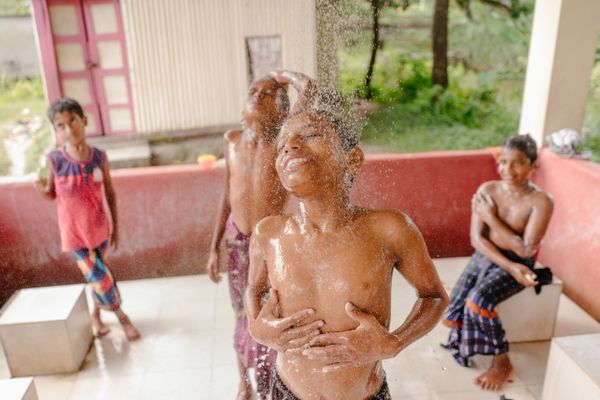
(330, 105)
(523, 143)
(64, 104)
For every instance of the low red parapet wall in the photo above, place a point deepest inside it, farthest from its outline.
(166, 215)
(434, 189)
(571, 246)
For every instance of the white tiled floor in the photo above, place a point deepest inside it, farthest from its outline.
(186, 350)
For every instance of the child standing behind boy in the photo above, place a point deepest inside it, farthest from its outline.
(252, 192)
(78, 178)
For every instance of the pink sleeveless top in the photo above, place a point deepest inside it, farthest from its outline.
(82, 218)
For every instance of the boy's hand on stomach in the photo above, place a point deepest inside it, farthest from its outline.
(284, 334)
(368, 342)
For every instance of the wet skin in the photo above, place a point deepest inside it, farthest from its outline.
(328, 269)
(252, 188)
(511, 214)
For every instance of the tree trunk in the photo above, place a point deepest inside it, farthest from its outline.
(375, 7)
(439, 74)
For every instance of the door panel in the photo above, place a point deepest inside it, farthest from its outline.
(92, 62)
(70, 45)
(111, 73)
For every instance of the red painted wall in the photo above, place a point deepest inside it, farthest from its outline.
(571, 246)
(434, 189)
(166, 215)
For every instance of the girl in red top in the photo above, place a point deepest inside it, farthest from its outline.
(79, 180)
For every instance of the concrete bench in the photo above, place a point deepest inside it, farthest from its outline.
(573, 370)
(18, 389)
(46, 330)
(527, 317)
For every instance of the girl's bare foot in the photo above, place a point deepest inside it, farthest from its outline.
(100, 329)
(131, 333)
(497, 375)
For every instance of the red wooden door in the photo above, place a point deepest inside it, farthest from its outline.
(91, 62)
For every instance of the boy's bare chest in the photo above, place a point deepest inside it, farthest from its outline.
(341, 267)
(514, 211)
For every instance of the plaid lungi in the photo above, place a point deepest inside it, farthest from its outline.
(475, 326)
(92, 263)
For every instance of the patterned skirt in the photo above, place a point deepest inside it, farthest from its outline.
(472, 317)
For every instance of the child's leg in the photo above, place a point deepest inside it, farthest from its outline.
(99, 327)
(485, 328)
(454, 314)
(130, 331)
(237, 274)
(104, 287)
(245, 388)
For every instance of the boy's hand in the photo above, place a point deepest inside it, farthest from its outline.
(284, 334)
(368, 342)
(114, 239)
(523, 275)
(483, 205)
(213, 266)
(281, 76)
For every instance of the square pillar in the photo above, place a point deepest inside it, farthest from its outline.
(561, 57)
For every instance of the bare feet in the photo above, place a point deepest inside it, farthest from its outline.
(100, 330)
(245, 390)
(131, 333)
(497, 375)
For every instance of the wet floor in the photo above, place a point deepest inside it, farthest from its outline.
(186, 350)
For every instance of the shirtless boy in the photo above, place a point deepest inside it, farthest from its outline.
(252, 192)
(327, 270)
(509, 219)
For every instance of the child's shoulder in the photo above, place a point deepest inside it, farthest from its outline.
(541, 196)
(271, 225)
(389, 223)
(489, 187)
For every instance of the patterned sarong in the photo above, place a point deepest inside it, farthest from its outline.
(476, 328)
(252, 354)
(92, 264)
(282, 392)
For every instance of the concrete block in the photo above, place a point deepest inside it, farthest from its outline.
(18, 389)
(573, 369)
(527, 317)
(46, 330)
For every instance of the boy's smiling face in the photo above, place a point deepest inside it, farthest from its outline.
(310, 154)
(69, 127)
(514, 167)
